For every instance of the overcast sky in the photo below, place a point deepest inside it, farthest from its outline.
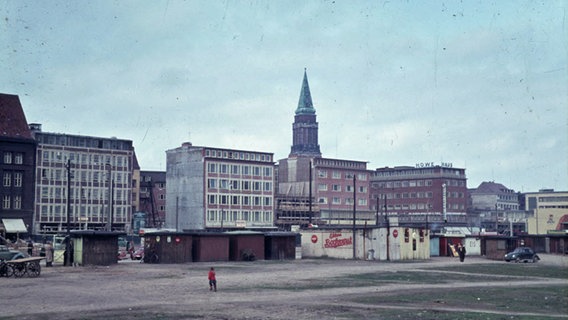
(479, 84)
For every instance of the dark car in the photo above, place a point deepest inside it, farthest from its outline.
(10, 254)
(524, 254)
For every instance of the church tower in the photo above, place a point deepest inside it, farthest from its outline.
(305, 126)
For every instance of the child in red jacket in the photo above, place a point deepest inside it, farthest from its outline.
(212, 280)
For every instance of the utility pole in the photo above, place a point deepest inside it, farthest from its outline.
(354, 219)
(310, 196)
(377, 213)
(68, 238)
(109, 214)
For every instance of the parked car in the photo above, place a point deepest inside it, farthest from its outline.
(10, 254)
(138, 254)
(524, 254)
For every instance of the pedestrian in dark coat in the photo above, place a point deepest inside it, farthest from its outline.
(461, 252)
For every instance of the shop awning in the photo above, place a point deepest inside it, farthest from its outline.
(14, 226)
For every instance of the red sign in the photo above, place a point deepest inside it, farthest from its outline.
(178, 240)
(395, 233)
(314, 238)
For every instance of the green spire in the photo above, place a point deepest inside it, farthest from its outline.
(305, 105)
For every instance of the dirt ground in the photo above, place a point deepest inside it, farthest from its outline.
(246, 290)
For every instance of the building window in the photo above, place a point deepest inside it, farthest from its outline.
(362, 202)
(7, 157)
(362, 177)
(162, 196)
(212, 199)
(336, 200)
(322, 173)
(336, 175)
(18, 202)
(322, 187)
(362, 189)
(223, 168)
(268, 186)
(235, 169)
(19, 159)
(336, 187)
(7, 179)
(349, 188)
(212, 183)
(267, 201)
(246, 170)
(322, 200)
(6, 202)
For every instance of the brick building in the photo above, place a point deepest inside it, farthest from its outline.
(17, 163)
(153, 197)
(316, 190)
(435, 191)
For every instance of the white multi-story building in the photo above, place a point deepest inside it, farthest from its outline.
(91, 176)
(214, 188)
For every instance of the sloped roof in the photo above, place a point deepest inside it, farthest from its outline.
(305, 105)
(13, 122)
(491, 187)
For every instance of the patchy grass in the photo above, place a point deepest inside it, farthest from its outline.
(539, 300)
(511, 269)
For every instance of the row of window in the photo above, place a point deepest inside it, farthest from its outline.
(340, 163)
(414, 172)
(338, 201)
(419, 195)
(339, 175)
(419, 206)
(13, 157)
(416, 183)
(218, 216)
(245, 185)
(82, 141)
(12, 178)
(238, 155)
(12, 202)
(238, 200)
(95, 176)
(84, 158)
(338, 188)
(97, 212)
(90, 194)
(239, 169)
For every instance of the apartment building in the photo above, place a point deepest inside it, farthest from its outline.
(218, 189)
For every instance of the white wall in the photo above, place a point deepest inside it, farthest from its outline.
(338, 243)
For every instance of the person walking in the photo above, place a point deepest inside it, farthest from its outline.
(212, 280)
(461, 252)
